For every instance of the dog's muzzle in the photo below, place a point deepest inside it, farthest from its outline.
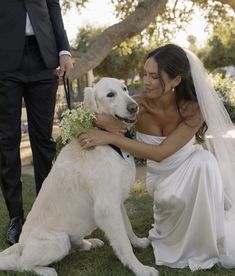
(132, 109)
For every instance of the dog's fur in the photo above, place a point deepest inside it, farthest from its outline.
(85, 189)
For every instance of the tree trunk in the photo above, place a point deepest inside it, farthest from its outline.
(136, 22)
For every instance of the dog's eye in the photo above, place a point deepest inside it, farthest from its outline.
(111, 94)
(124, 88)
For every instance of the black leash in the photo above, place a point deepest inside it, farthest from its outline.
(67, 92)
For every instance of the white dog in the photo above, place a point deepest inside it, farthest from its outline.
(85, 189)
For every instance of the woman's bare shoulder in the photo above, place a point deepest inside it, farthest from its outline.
(191, 112)
(189, 108)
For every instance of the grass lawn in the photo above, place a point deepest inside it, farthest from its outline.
(102, 261)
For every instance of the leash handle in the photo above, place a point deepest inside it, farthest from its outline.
(67, 92)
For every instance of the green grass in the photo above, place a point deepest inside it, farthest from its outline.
(102, 261)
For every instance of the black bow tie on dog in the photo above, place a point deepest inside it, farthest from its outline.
(117, 149)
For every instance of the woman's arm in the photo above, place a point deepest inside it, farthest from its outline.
(177, 139)
(110, 124)
(170, 145)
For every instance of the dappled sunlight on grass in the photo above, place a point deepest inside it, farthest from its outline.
(102, 261)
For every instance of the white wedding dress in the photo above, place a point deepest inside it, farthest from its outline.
(190, 226)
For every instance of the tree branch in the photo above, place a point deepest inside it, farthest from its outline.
(136, 22)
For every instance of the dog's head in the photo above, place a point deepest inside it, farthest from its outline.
(110, 96)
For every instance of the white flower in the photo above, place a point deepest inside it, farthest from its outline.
(73, 121)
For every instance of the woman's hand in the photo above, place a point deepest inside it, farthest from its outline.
(88, 138)
(110, 124)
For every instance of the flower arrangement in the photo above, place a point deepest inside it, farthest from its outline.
(74, 120)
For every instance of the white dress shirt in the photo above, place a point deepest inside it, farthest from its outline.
(28, 27)
(29, 31)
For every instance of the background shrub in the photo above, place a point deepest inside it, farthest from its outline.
(225, 87)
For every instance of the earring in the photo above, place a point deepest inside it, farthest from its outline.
(173, 89)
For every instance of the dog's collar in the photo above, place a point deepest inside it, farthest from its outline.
(117, 149)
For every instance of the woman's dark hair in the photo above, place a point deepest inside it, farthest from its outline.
(173, 60)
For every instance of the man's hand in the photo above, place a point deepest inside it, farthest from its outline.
(66, 66)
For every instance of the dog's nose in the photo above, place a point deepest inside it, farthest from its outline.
(132, 107)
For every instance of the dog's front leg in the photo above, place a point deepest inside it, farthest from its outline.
(135, 241)
(109, 218)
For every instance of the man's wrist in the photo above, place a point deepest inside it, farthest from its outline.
(64, 53)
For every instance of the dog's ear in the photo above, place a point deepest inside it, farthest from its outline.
(89, 99)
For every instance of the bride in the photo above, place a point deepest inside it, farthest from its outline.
(190, 175)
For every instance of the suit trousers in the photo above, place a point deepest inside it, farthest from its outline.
(37, 85)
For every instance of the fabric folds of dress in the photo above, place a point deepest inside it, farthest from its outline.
(190, 226)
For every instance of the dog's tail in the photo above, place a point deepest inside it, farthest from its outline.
(10, 258)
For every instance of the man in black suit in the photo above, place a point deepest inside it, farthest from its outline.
(33, 44)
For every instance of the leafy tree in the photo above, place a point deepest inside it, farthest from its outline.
(86, 36)
(192, 43)
(224, 85)
(125, 61)
(220, 49)
(67, 4)
(149, 18)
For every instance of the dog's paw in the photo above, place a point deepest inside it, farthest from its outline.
(148, 271)
(86, 244)
(95, 242)
(82, 245)
(45, 271)
(140, 242)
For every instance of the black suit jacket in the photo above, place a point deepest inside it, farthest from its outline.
(46, 19)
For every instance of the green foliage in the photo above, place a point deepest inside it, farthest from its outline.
(225, 86)
(220, 49)
(138, 160)
(72, 121)
(61, 109)
(68, 4)
(125, 61)
(192, 43)
(175, 16)
(102, 261)
(214, 12)
(59, 145)
(125, 7)
(86, 36)
(162, 30)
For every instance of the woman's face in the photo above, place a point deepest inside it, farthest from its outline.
(152, 83)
